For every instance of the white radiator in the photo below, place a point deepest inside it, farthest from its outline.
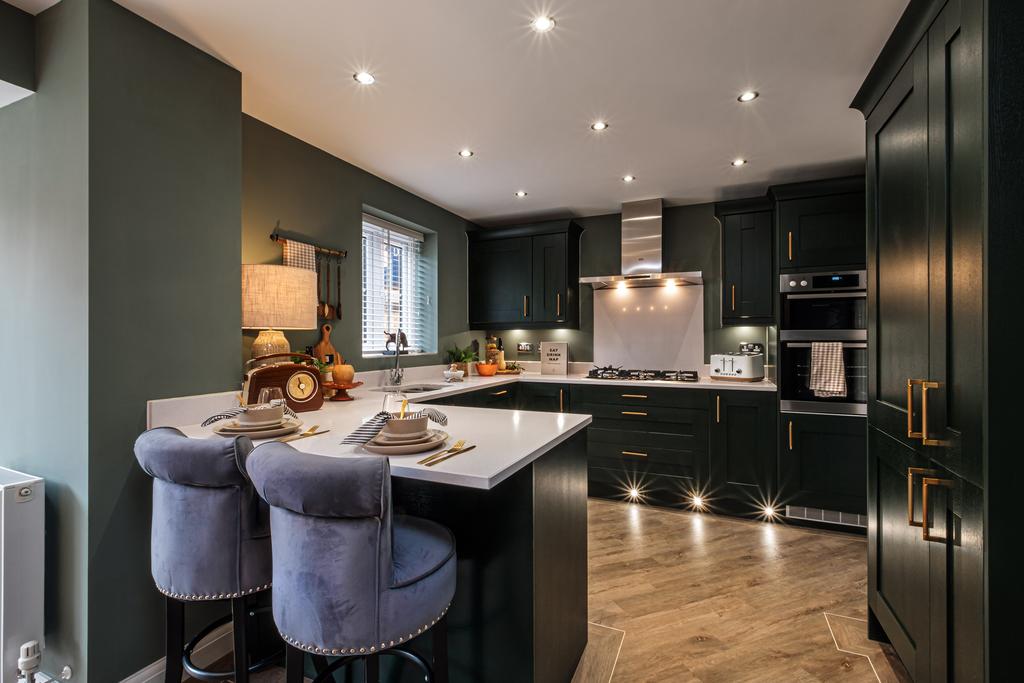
(21, 567)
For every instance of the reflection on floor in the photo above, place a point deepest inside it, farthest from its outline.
(706, 598)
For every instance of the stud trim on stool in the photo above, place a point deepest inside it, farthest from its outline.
(307, 647)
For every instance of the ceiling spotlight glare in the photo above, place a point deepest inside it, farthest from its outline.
(521, 193)
(364, 78)
(465, 153)
(739, 162)
(628, 178)
(599, 126)
(542, 24)
(748, 96)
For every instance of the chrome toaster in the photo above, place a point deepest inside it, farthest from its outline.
(737, 367)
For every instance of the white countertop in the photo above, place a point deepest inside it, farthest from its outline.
(505, 440)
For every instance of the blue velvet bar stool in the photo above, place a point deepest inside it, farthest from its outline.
(351, 580)
(210, 539)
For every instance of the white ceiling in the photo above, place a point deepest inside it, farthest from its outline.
(470, 73)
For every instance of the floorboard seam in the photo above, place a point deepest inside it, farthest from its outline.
(859, 654)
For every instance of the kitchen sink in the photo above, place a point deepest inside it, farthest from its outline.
(411, 388)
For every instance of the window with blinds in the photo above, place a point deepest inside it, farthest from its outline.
(397, 284)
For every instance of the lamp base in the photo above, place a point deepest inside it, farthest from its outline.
(268, 342)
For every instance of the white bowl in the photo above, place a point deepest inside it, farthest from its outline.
(454, 375)
(261, 415)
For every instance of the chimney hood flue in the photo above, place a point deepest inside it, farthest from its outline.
(641, 252)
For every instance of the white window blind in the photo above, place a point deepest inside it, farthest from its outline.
(397, 281)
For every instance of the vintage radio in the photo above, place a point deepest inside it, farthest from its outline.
(299, 383)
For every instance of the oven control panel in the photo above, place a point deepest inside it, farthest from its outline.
(846, 280)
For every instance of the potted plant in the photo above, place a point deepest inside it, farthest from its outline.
(460, 358)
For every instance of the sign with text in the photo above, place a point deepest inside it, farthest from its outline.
(554, 358)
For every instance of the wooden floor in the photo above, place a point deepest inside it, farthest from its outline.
(700, 597)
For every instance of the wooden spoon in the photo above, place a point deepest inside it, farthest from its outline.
(328, 310)
(337, 312)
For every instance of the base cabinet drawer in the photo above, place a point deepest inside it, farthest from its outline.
(639, 396)
(823, 462)
(639, 460)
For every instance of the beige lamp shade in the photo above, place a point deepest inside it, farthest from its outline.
(278, 297)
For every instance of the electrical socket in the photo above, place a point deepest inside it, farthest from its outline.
(525, 347)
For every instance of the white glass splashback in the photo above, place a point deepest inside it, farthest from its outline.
(651, 327)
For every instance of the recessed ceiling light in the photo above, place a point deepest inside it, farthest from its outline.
(748, 96)
(521, 193)
(628, 178)
(542, 24)
(364, 78)
(465, 153)
(599, 125)
(739, 162)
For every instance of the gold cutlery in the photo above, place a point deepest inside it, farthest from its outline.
(458, 444)
(450, 455)
(309, 432)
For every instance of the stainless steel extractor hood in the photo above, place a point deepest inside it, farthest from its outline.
(641, 252)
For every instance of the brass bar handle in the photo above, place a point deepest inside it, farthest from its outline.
(734, 297)
(790, 435)
(634, 396)
(925, 386)
(789, 238)
(637, 454)
(558, 305)
(911, 434)
(633, 412)
(500, 393)
(525, 297)
(925, 525)
(561, 400)
(718, 408)
(911, 471)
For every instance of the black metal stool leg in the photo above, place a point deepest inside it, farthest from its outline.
(239, 617)
(371, 669)
(440, 647)
(174, 640)
(294, 664)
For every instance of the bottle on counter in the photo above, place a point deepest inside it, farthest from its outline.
(501, 354)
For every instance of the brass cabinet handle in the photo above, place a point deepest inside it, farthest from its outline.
(632, 412)
(911, 471)
(734, 297)
(525, 297)
(634, 396)
(911, 434)
(925, 525)
(790, 435)
(789, 238)
(558, 305)
(500, 393)
(635, 453)
(718, 408)
(561, 400)
(925, 386)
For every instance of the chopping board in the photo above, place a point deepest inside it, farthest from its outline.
(324, 347)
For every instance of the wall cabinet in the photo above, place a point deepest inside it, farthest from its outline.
(524, 276)
(748, 274)
(743, 457)
(820, 224)
(823, 462)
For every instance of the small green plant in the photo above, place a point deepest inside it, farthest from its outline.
(457, 355)
(321, 366)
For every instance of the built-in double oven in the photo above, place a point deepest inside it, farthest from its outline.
(823, 307)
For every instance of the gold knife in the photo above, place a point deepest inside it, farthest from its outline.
(456, 446)
(450, 455)
(304, 435)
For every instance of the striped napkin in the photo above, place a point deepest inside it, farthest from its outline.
(235, 412)
(828, 373)
(372, 427)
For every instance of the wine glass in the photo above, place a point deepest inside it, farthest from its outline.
(271, 396)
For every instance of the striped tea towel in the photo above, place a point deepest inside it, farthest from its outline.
(372, 427)
(828, 374)
(235, 412)
(299, 255)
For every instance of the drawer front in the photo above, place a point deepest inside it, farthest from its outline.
(498, 397)
(640, 396)
(696, 440)
(642, 418)
(636, 461)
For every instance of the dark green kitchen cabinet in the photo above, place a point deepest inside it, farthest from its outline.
(499, 396)
(743, 452)
(823, 462)
(544, 397)
(820, 224)
(524, 276)
(748, 273)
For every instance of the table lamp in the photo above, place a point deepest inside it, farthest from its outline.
(276, 298)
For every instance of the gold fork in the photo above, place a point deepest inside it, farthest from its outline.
(295, 437)
(458, 444)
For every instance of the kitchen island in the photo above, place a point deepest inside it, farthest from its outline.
(517, 507)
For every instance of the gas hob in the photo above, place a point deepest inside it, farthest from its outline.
(610, 372)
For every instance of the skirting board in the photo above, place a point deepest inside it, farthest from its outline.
(216, 646)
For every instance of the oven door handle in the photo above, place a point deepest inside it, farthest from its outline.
(854, 294)
(807, 345)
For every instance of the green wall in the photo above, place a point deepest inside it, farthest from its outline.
(17, 47)
(321, 198)
(164, 270)
(691, 241)
(45, 311)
